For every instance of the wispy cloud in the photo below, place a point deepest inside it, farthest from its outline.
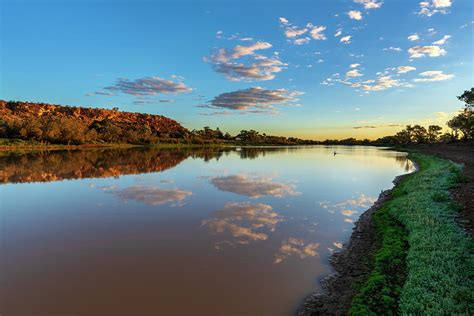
(257, 67)
(369, 4)
(346, 39)
(376, 126)
(413, 37)
(431, 7)
(433, 75)
(353, 73)
(405, 69)
(422, 51)
(442, 41)
(395, 49)
(295, 33)
(146, 86)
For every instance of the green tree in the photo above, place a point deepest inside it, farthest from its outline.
(468, 98)
(433, 133)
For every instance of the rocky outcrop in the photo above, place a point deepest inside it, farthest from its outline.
(158, 125)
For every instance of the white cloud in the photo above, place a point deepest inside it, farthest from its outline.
(294, 33)
(301, 41)
(353, 73)
(382, 83)
(284, 20)
(259, 67)
(413, 37)
(317, 33)
(254, 187)
(354, 65)
(442, 41)
(441, 3)
(405, 69)
(238, 51)
(433, 75)
(369, 4)
(355, 15)
(421, 51)
(338, 33)
(431, 7)
(346, 39)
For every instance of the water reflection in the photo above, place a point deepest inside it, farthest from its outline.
(214, 231)
(152, 195)
(296, 247)
(253, 186)
(46, 166)
(244, 222)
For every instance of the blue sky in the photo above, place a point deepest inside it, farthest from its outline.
(281, 67)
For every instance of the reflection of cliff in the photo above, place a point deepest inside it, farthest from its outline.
(90, 163)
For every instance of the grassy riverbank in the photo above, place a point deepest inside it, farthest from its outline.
(424, 262)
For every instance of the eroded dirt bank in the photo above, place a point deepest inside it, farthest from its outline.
(351, 265)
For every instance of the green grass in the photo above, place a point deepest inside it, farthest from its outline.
(434, 274)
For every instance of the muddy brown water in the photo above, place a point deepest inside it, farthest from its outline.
(244, 231)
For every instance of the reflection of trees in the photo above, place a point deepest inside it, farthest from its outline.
(44, 166)
(404, 162)
(255, 152)
(89, 163)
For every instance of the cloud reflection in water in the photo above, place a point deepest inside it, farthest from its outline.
(254, 187)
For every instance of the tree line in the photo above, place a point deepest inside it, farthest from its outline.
(68, 130)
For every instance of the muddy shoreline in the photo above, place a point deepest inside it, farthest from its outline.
(350, 265)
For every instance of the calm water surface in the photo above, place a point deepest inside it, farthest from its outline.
(179, 232)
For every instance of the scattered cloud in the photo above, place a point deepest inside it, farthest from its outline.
(244, 222)
(355, 15)
(395, 49)
(433, 75)
(353, 73)
(256, 67)
(431, 7)
(405, 69)
(254, 187)
(294, 33)
(346, 39)
(295, 247)
(338, 33)
(413, 37)
(220, 35)
(442, 41)
(382, 83)
(421, 51)
(369, 4)
(317, 33)
(253, 98)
